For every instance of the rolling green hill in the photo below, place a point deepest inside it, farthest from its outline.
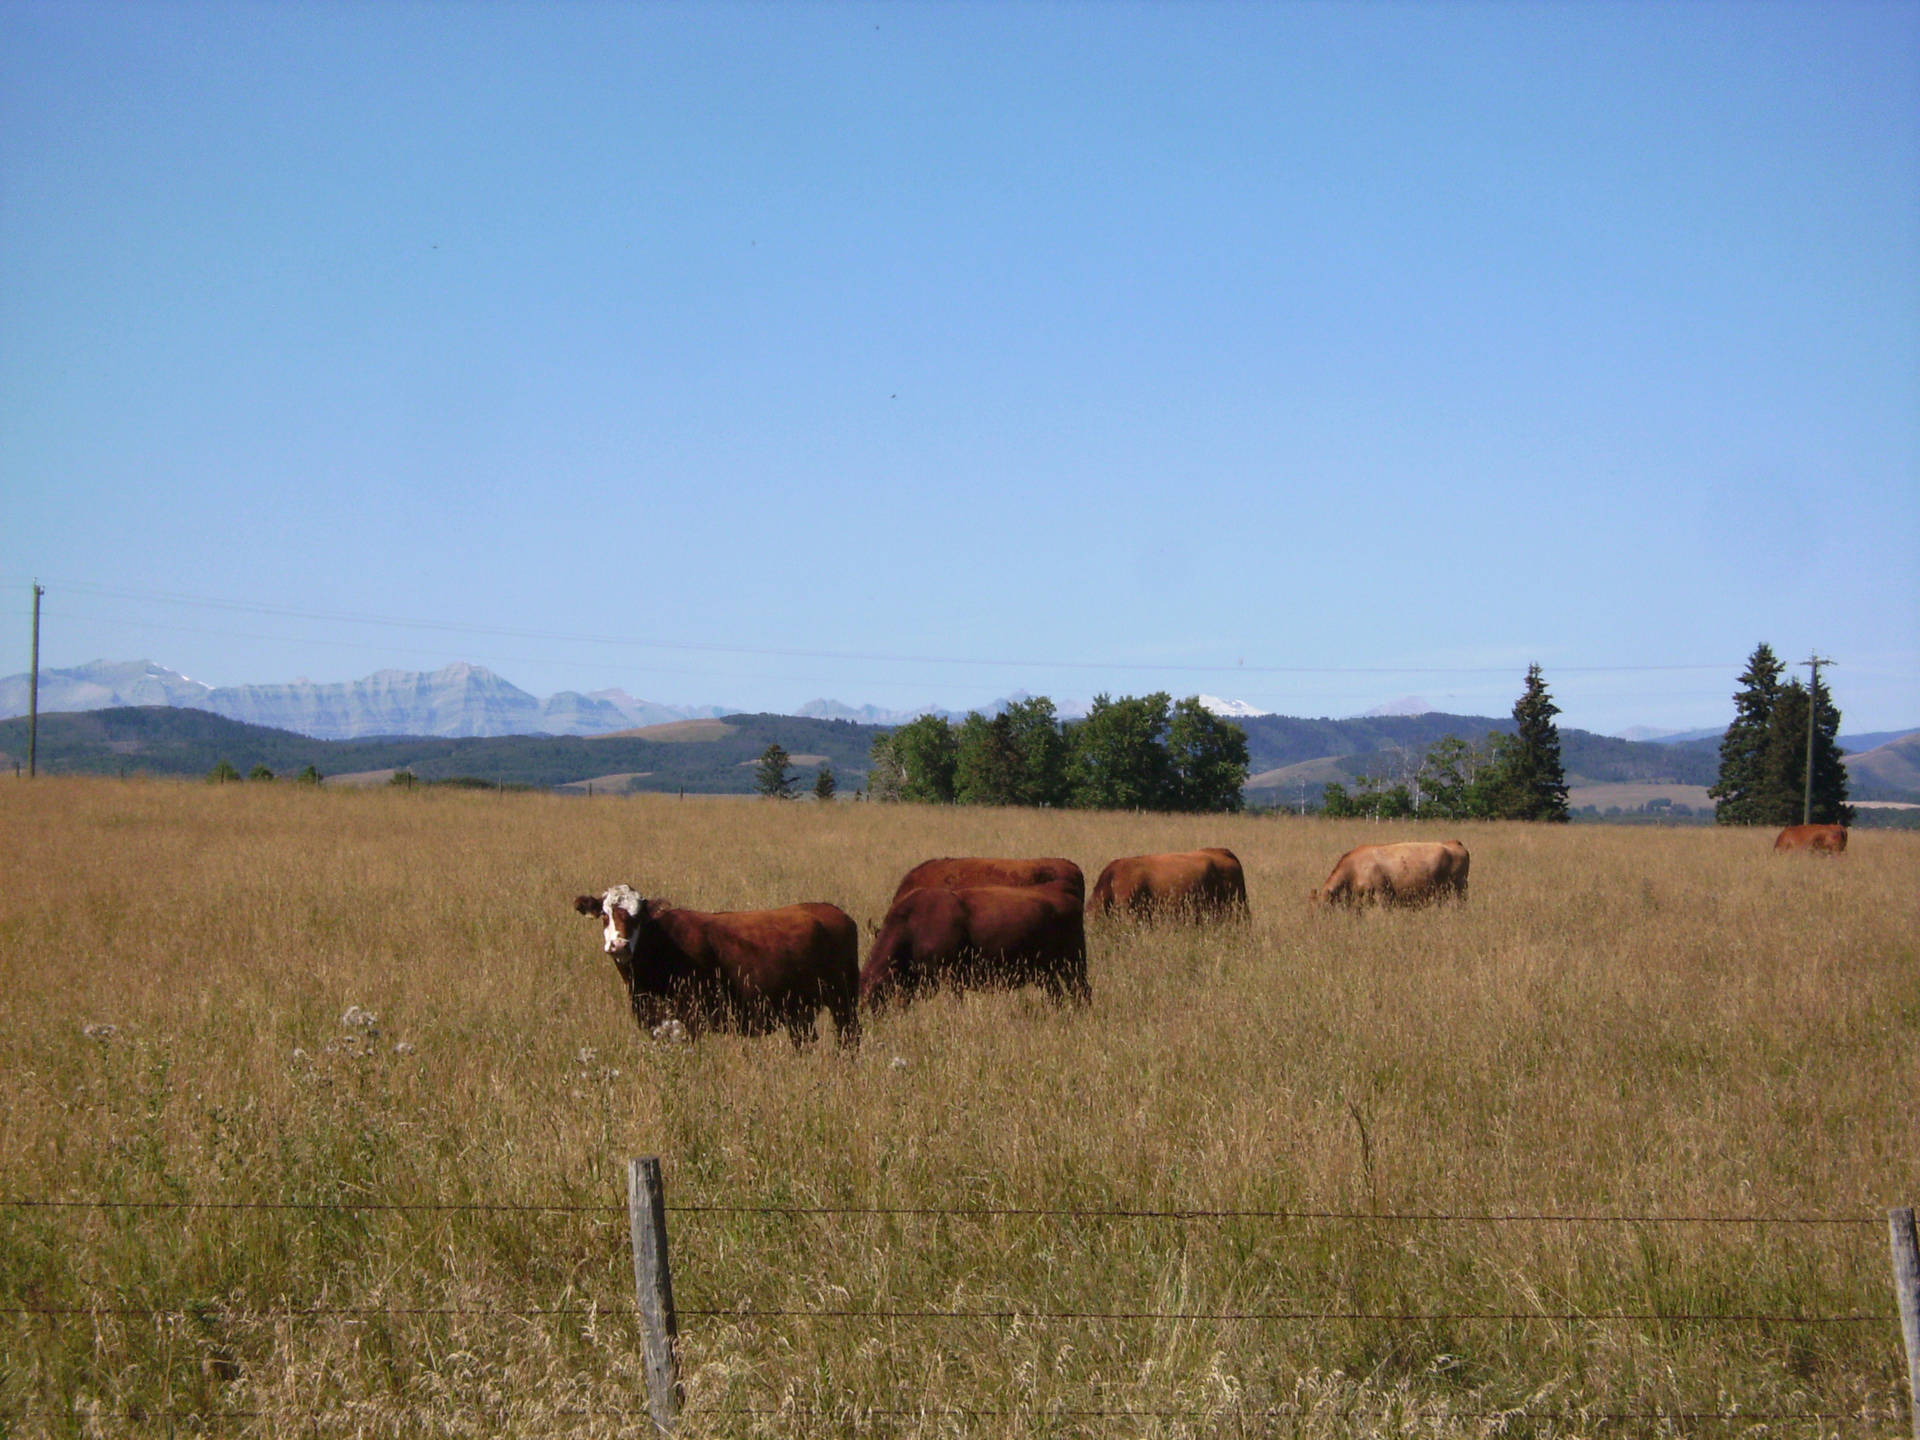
(702, 757)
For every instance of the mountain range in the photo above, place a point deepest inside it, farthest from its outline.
(464, 701)
(456, 701)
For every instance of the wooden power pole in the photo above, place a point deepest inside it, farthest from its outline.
(33, 689)
(1816, 660)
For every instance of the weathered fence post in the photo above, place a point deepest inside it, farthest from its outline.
(1906, 1284)
(653, 1284)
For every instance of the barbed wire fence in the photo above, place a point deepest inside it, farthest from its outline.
(647, 1211)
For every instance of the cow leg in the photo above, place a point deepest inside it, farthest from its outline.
(802, 1028)
(846, 1023)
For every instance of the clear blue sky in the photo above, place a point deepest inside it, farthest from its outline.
(1307, 354)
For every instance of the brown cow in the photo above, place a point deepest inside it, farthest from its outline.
(743, 971)
(1194, 884)
(980, 935)
(1408, 873)
(958, 872)
(1815, 839)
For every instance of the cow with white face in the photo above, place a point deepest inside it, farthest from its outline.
(745, 971)
(620, 908)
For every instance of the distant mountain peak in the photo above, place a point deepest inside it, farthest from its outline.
(1405, 705)
(1231, 709)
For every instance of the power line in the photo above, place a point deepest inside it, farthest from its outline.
(873, 657)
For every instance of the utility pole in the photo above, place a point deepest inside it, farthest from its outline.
(33, 689)
(1813, 706)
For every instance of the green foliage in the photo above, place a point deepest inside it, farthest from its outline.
(823, 784)
(1119, 760)
(770, 778)
(1763, 756)
(405, 779)
(309, 776)
(1042, 745)
(886, 776)
(1531, 783)
(987, 765)
(925, 755)
(1784, 774)
(1394, 802)
(1208, 755)
(221, 773)
(260, 772)
(1456, 778)
(1740, 791)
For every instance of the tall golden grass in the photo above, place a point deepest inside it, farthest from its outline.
(1617, 1023)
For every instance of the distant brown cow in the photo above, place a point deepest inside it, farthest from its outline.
(958, 872)
(1193, 884)
(1411, 872)
(1815, 839)
(980, 935)
(744, 971)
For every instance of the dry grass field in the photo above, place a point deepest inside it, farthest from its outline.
(273, 1221)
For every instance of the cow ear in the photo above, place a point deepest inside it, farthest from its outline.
(587, 904)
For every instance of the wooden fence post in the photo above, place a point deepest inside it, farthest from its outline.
(1906, 1284)
(653, 1284)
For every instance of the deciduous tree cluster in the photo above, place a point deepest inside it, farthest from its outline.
(1134, 753)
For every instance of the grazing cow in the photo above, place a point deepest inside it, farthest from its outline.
(744, 971)
(1814, 839)
(980, 935)
(959, 872)
(1194, 884)
(1409, 873)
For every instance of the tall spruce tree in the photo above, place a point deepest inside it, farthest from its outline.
(1532, 782)
(1741, 793)
(1784, 770)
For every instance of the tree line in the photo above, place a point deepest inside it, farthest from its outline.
(1505, 777)
(1146, 752)
(1763, 756)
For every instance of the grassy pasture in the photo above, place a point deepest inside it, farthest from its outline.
(1620, 1022)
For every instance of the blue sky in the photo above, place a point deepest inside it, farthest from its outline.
(1313, 355)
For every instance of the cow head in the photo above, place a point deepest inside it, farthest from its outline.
(622, 908)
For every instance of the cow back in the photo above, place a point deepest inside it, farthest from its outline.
(1195, 883)
(1817, 839)
(957, 872)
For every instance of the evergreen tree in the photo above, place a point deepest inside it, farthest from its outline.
(823, 784)
(1208, 757)
(1784, 769)
(1740, 792)
(1531, 783)
(770, 778)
